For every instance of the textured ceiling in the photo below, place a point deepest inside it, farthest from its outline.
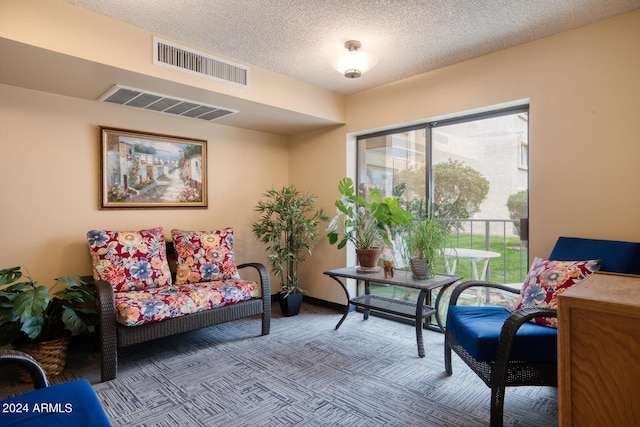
(299, 38)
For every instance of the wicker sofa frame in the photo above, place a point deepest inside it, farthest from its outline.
(113, 335)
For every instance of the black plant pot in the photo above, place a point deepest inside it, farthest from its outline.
(290, 305)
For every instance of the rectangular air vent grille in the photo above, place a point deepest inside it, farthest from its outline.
(182, 58)
(162, 103)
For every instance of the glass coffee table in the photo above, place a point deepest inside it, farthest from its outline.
(417, 311)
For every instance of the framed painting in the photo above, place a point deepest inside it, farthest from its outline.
(146, 170)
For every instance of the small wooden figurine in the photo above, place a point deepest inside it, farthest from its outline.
(388, 266)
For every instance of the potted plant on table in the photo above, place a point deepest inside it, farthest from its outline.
(424, 239)
(39, 320)
(288, 225)
(365, 223)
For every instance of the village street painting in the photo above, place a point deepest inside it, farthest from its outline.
(152, 171)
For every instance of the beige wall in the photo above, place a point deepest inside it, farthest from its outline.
(49, 174)
(584, 94)
(584, 145)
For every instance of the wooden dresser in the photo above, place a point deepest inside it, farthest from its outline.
(599, 352)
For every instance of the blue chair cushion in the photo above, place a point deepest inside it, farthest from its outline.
(68, 404)
(477, 329)
(615, 256)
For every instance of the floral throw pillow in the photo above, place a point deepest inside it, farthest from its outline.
(548, 279)
(130, 260)
(204, 256)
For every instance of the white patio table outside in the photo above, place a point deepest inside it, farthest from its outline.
(452, 255)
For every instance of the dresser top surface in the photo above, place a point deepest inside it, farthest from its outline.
(609, 288)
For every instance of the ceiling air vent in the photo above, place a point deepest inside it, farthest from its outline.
(164, 104)
(182, 58)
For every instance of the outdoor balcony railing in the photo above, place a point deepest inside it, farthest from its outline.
(495, 235)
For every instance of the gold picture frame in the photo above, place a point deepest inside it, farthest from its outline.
(142, 170)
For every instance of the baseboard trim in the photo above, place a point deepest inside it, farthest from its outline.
(327, 304)
(316, 301)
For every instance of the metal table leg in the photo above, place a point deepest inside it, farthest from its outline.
(367, 291)
(346, 310)
(419, 320)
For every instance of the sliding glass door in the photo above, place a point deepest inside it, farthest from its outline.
(480, 187)
(472, 172)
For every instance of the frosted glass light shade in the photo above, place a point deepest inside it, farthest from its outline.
(354, 62)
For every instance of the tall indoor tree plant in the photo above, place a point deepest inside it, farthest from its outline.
(288, 225)
(367, 223)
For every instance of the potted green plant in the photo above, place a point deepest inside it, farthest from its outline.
(424, 239)
(365, 223)
(288, 225)
(39, 320)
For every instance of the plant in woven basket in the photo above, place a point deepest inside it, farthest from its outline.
(31, 314)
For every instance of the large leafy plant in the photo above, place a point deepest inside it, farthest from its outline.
(365, 223)
(31, 312)
(288, 225)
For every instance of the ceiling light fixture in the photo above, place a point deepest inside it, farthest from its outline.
(354, 62)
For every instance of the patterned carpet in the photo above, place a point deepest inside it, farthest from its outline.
(303, 374)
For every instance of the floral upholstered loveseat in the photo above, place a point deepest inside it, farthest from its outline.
(149, 288)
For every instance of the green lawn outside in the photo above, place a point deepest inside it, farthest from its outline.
(510, 267)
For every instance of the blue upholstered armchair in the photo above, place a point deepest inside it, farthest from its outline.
(68, 404)
(505, 348)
